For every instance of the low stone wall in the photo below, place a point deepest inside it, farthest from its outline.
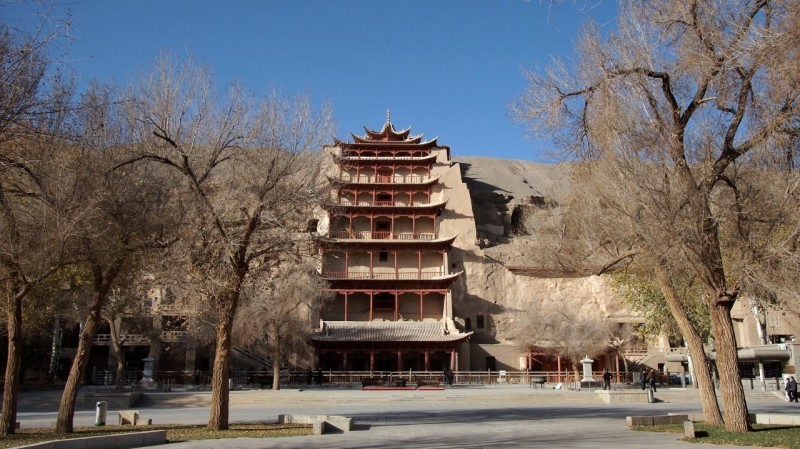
(622, 396)
(114, 399)
(320, 423)
(656, 420)
(121, 441)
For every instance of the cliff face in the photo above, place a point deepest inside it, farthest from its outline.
(510, 201)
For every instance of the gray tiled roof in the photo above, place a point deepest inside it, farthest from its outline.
(365, 331)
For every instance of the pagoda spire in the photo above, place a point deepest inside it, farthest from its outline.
(388, 115)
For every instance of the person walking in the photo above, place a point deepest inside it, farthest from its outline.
(792, 385)
(606, 379)
(644, 378)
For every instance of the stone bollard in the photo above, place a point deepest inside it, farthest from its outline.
(688, 429)
(650, 397)
(100, 414)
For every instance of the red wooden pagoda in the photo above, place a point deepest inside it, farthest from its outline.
(385, 258)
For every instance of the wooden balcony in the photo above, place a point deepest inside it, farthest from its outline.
(414, 275)
(385, 179)
(369, 235)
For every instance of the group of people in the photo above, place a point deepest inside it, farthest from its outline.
(649, 377)
(317, 377)
(791, 389)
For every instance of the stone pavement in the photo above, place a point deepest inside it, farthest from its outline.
(466, 417)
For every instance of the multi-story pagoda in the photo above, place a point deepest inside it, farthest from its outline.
(385, 255)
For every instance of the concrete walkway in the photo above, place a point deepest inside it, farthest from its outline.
(468, 417)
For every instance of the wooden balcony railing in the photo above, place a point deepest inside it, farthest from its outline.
(368, 235)
(385, 179)
(392, 275)
(346, 202)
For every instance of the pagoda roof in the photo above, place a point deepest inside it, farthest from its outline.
(388, 244)
(417, 143)
(344, 182)
(345, 208)
(437, 282)
(387, 331)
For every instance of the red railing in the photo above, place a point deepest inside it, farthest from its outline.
(382, 235)
(385, 179)
(367, 275)
(345, 202)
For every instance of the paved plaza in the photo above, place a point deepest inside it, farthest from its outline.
(462, 417)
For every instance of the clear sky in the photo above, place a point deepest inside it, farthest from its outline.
(447, 68)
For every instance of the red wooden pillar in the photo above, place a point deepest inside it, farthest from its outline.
(421, 310)
(558, 361)
(345, 365)
(371, 361)
(396, 305)
(399, 360)
(396, 271)
(453, 359)
(346, 264)
(370, 263)
(427, 361)
(346, 296)
(370, 304)
(419, 264)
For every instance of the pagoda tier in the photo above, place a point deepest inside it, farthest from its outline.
(384, 208)
(348, 180)
(387, 134)
(390, 281)
(348, 240)
(364, 156)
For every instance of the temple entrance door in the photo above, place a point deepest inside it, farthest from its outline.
(359, 361)
(439, 360)
(330, 361)
(385, 361)
(413, 361)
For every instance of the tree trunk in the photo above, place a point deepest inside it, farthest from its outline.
(220, 373)
(66, 410)
(119, 354)
(13, 360)
(276, 363)
(702, 374)
(737, 418)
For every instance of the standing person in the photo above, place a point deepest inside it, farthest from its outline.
(644, 379)
(319, 376)
(309, 375)
(792, 389)
(652, 378)
(788, 389)
(606, 379)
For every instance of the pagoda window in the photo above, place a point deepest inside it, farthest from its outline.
(383, 256)
(383, 301)
(468, 324)
(480, 322)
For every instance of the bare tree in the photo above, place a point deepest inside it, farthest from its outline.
(128, 217)
(563, 331)
(250, 169)
(276, 311)
(684, 112)
(33, 226)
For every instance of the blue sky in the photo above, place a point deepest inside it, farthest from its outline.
(447, 68)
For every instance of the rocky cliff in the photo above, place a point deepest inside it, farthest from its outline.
(511, 201)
